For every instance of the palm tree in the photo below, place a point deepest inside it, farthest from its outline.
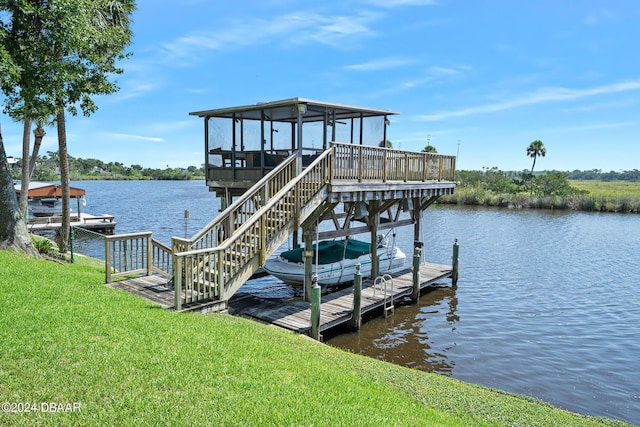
(535, 149)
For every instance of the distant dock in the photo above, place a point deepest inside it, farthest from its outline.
(104, 224)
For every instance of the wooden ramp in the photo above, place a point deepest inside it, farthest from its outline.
(337, 307)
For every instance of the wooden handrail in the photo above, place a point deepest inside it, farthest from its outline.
(368, 163)
(194, 274)
(223, 226)
(213, 262)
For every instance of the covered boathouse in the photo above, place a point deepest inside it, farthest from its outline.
(282, 167)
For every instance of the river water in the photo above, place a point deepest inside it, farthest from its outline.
(546, 305)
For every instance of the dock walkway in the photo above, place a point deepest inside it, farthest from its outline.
(294, 314)
(337, 307)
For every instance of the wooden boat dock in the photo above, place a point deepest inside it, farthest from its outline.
(336, 308)
(294, 313)
(104, 224)
(281, 168)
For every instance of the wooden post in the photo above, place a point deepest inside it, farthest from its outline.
(308, 262)
(315, 309)
(417, 254)
(417, 218)
(149, 254)
(177, 283)
(107, 260)
(454, 272)
(356, 320)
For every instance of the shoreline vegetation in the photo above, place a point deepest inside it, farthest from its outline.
(589, 191)
(594, 192)
(101, 356)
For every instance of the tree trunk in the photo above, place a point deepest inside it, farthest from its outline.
(63, 236)
(13, 230)
(25, 179)
(39, 133)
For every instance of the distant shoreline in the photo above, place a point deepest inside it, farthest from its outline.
(614, 203)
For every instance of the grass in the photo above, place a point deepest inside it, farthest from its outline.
(615, 196)
(608, 188)
(66, 338)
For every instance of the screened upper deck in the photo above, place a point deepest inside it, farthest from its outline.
(243, 143)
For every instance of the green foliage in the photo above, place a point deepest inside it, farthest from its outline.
(553, 184)
(42, 245)
(497, 181)
(429, 149)
(550, 190)
(65, 337)
(85, 169)
(534, 150)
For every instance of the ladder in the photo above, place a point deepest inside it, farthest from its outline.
(385, 282)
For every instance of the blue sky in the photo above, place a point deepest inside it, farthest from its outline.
(491, 75)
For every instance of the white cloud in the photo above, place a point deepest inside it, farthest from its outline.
(542, 96)
(292, 28)
(380, 64)
(397, 3)
(127, 136)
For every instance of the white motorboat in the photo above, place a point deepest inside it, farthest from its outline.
(45, 207)
(336, 261)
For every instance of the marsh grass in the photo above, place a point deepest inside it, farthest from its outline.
(620, 197)
(65, 337)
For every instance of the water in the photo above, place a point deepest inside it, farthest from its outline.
(547, 302)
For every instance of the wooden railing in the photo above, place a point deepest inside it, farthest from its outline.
(366, 163)
(225, 224)
(217, 272)
(135, 254)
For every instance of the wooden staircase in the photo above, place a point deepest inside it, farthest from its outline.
(211, 266)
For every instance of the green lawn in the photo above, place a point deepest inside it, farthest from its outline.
(66, 338)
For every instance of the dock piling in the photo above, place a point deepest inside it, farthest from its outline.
(315, 309)
(417, 255)
(454, 272)
(356, 320)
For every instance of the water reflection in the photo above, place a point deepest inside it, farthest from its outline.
(420, 336)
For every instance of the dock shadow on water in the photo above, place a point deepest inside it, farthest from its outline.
(412, 336)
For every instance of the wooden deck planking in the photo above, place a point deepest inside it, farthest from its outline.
(293, 313)
(151, 288)
(102, 223)
(337, 307)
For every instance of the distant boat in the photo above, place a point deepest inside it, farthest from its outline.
(337, 261)
(45, 199)
(45, 207)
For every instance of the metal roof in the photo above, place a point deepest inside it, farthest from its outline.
(287, 110)
(49, 190)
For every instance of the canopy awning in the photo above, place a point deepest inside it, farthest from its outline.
(287, 110)
(41, 190)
